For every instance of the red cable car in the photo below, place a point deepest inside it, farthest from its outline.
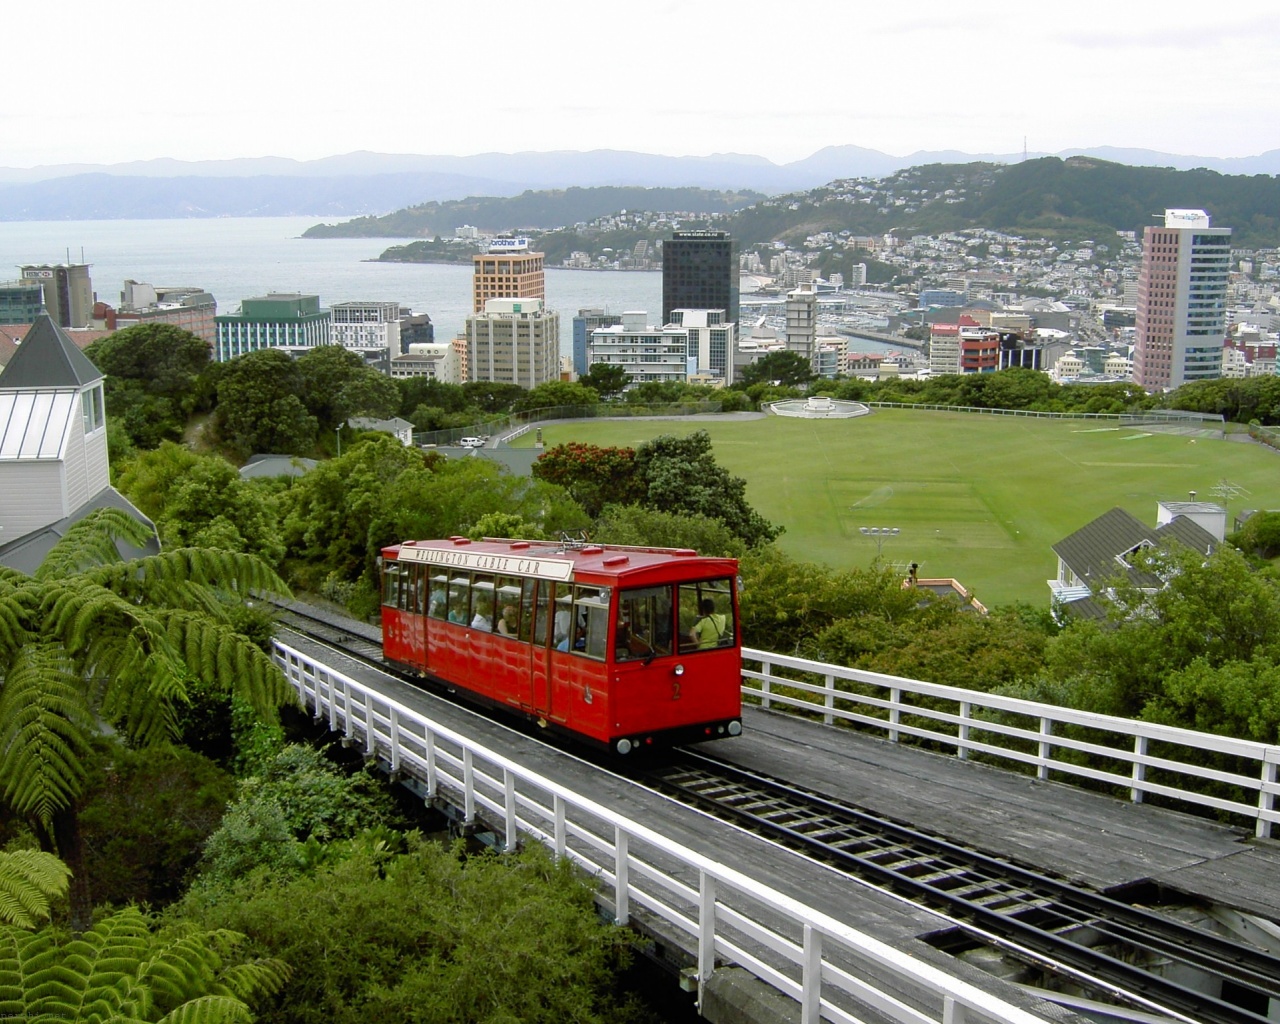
(623, 647)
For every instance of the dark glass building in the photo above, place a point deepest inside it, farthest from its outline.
(700, 271)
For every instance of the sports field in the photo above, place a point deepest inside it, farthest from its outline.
(978, 498)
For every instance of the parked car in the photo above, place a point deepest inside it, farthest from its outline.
(472, 442)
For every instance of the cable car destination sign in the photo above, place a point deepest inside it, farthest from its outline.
(480, 561)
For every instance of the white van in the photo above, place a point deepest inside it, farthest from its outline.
(471, 442)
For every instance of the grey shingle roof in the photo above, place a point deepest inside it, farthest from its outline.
(47, 358)
(1091, 551)
(25, 553)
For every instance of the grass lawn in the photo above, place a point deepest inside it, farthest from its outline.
(978, 498)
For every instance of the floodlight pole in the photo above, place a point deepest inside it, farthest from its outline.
(879, 534)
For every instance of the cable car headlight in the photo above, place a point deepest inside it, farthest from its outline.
(678, 670)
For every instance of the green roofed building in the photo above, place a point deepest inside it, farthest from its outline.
(288, 321)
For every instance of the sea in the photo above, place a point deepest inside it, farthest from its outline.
(235, 258)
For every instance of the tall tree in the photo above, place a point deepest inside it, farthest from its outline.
(90, 638)
(606, 379)
(681, 475)
(154, 379)
(337, 384)
(258, 405)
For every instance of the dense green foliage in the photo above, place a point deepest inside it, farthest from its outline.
(338, 517)
(147, 814)
(427, 935)
(259, 408)
(201, 501)
(292, 804)
(677, 475)
(156, 377)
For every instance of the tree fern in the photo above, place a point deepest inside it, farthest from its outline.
(122, 972)
(44, 722)
(28, 878)
(91, 638)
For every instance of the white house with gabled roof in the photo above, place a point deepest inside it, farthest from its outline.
(53, 445)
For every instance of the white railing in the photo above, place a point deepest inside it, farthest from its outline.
(833, 971)
(1023, 732)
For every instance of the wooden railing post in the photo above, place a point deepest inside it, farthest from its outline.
(1139, 769)
(1046, 748)
(962, 740)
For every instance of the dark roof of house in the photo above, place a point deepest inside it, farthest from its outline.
(47, 358)
(276, 465)
(25, 553)
(1093, 551)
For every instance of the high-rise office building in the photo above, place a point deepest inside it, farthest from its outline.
(370, 329)
(700, 271)
(283, 320)
(68, 292)
(646, 352)
(514, 341)
(21, 302)
(712, 338)
(802, 323)
(1181, 320)
(584, 323)
(509, 270)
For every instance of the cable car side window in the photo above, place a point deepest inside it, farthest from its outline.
(482, 591)
(589, 622)
(645, 623)
(437, 596)
(391, 584)
(506, 606)
(459, 599)
(706, 615)
(533, 598)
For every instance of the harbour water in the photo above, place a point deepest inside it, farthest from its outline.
(236, 258)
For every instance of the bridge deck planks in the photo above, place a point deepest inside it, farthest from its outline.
(1088, 837)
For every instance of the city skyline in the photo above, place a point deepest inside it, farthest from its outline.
(246, 81)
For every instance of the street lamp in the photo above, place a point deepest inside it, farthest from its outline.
(880, 534)
(337, 432)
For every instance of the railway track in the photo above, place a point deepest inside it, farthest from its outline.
(1115, 951)
(1130, 949)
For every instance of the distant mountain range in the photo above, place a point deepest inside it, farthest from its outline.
(360, 184)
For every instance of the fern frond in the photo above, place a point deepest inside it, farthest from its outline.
(102, 963)
(209, 1010)
(43, 724)
(30, 972)
(14, 613)
(92, 542)
(221, 657)
(28, 879)
(257, 979)
(231, 571)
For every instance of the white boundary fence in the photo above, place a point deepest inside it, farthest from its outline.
(1022, 732)
(833, 971)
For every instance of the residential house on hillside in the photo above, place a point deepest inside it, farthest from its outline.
(53, 447)
(1093, 556)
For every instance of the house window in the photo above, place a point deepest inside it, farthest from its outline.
(91, 410)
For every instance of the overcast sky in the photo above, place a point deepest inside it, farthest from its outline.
(96, 83)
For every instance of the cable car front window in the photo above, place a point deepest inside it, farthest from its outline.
(706, 615)
(645, 623)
